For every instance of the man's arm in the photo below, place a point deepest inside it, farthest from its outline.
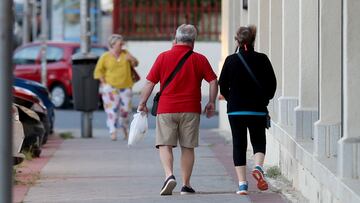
(145, 94)
(210, 106)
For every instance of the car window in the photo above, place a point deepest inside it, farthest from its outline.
(98, 51)
(54, 54)
(27, 55)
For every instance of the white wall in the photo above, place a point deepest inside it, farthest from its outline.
(313, 33)
(147, 51)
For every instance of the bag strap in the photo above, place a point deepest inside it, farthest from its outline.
(249, 70)
(177, 68)
(253, 77)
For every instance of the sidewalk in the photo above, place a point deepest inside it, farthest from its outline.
(99, 170)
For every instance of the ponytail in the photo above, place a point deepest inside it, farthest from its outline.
(245, 36)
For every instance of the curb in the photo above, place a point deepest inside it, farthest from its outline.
(28, 172)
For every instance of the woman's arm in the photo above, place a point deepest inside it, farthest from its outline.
(99, 72)
(133, 61)
(224, 81)
(271, 79)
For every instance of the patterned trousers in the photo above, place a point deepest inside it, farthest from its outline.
(117, 105)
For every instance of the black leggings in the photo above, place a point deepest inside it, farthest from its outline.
(239, 126)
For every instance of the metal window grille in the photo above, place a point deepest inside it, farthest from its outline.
(158, 19)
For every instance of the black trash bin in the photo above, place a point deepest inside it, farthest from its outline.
(85, 87)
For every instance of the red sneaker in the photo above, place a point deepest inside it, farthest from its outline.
(258, 174)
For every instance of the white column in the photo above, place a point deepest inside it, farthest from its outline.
(349, 149)
(328, 127)
(306, 114)
(275, 51)
(290, 63)
(253, 12)
(263, 26)
(230, 29)
(230, 23)
(236, 19)
(253, 16)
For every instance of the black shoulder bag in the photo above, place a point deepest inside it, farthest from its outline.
(167, 81)
(268, 118)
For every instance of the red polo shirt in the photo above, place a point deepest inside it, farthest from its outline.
(183, 94)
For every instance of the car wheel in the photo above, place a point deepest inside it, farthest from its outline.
(35, 152)
(46, 123)
(36, 147)
(58, 96)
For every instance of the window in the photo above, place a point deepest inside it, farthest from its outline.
(27, 55)
(245, 4)
(97, 51)
(54, 54)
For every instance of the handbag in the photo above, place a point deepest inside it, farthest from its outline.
(155, 104)
(167, 81)
(267, 116)
(134, 75)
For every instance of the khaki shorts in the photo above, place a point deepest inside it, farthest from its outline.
(174, 127)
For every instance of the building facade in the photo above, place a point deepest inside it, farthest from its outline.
(314, 49)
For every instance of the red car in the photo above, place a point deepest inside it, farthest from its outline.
(27, 64)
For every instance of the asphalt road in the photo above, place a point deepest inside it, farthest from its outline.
(70, 119)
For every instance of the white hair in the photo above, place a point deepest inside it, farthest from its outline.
(113, 39)
(186, 33)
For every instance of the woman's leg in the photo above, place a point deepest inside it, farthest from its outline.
(110, 101)
(124, 110)
(241, 173)
(258, 141)
(239, 137)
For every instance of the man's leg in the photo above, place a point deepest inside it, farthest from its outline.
(187, 163)
(188, 140)
(166, 139)
(166, 157)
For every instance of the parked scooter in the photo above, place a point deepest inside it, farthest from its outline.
(42, 92)
(33, 129)
(33, 115)
(17, 136)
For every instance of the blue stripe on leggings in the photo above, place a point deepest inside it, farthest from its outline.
(246, 113)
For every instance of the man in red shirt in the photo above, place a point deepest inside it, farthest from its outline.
(178, 114)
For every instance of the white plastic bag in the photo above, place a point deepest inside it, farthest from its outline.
(138, 128)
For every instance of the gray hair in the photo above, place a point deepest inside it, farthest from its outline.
(113, 39)
(246, 35)
(186, 33)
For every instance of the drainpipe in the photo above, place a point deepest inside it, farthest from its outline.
(6, 77)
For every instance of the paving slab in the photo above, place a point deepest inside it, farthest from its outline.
(101, 170)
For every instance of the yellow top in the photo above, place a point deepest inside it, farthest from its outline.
(116, 72)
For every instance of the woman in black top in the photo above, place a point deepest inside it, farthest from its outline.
(247, 99)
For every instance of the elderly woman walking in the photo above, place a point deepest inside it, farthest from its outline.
(248, 82)
(114, 72)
